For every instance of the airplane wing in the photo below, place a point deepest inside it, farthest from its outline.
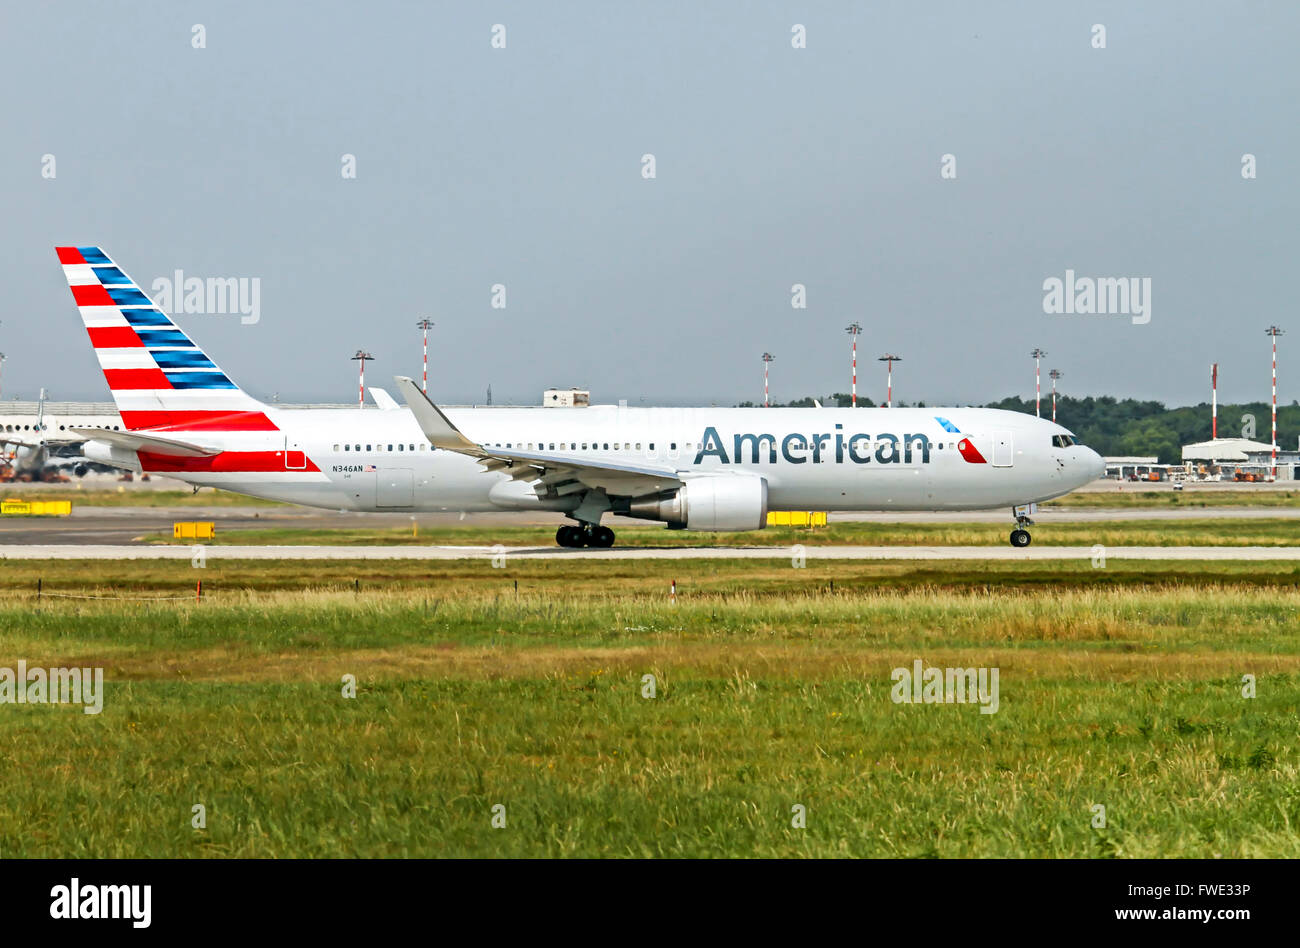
(382, 399)
(552, 475)
(134, 441)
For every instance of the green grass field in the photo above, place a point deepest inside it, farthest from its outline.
(1192, 532)
(1133, 495)
(522, 687)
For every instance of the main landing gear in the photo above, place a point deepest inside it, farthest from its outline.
(1020, 536)
(584, 535)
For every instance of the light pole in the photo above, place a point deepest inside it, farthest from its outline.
(2, 360)
(1274, 332)
(1054, 375)
(853, 329)
(425, 325)
(1214, 401)
(768, 359)
(361, 358)
(889, 387)
(1038, 387)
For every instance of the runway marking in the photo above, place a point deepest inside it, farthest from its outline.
(999, 553)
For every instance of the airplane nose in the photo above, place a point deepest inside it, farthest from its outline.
(1097, 464)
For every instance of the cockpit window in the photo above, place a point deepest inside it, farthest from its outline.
(1062, 441)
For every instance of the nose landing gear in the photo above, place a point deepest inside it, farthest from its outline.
(1020, 536)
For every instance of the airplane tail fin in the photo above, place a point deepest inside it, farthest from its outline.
(158, 377)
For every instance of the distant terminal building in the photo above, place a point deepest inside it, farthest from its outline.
(1222, 451)
(566, 398)
(1123, 468)
(17, 417)
(1261, 462)
(1229, 457)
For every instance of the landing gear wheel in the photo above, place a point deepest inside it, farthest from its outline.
(569, 536)
(1020, 537)
(601, 537)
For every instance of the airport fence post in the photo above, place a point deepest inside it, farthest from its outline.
(38, 587)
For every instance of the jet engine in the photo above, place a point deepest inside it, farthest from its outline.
(728, 502)
(111, 455)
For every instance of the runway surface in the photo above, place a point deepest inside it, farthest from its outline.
(990, 553)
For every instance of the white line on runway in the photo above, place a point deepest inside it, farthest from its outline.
(66, 552)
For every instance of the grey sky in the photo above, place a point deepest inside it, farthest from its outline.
(775, 166)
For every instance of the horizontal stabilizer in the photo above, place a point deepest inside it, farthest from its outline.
(134, 441)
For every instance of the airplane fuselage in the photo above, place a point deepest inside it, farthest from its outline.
(811, 458)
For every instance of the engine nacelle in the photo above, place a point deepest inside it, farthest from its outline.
(111, 455)
(726, 503)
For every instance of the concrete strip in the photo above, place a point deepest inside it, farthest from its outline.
(811, 551)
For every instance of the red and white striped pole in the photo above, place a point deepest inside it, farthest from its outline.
(853, 329)
(890, 359)
(425, 324)
(1038, 385)
(360, 358)
(768, 358)
(1214, 401)
(1054, 375)
(1274, 332)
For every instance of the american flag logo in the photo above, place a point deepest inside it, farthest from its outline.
(371, 467)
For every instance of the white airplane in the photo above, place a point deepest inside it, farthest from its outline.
(715, 469)
(36, 447)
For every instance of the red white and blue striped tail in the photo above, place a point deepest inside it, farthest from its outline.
(158, 377)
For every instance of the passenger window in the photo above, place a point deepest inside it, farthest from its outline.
(606, 445)
(347, 447)
(400, 447)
